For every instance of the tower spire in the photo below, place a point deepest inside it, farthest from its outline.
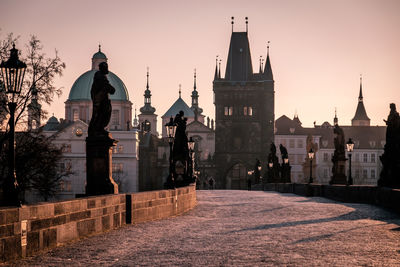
(361, 117)
(99, 47)
(232, 22)
(268, 69)
(216, 68)
(260, 71)
(147, 108)
(147, 76)
(179, 90)
(219, 69)
(247, 24)
(335, 119)
(360, 96)
(194, 83)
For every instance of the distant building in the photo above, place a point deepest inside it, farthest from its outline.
(369, 142)
(244, 113)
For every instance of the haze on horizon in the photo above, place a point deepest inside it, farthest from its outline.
(318, 49)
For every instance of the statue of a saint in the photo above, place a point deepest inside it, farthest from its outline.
(181, 150)
(284, 152)
(339, 142)
(101, 103)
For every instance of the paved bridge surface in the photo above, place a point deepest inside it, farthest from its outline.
(241, 228)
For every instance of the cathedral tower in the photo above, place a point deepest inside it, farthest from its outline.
(244, 113)
(360, 118)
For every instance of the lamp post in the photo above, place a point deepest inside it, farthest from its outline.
(259, 171)
(13, 72)
(311, 156)
(171, 128)
(350, 147)
(191, 154)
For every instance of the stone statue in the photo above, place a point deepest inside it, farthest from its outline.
(390, 174)
(273, 173)
(284, 152)
(339, 158)
(181, 150)
(339, 142)
(101, 103)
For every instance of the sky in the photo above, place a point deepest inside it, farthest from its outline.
(318, 48)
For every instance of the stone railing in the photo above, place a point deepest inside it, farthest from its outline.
(27, 230)
(381, 196)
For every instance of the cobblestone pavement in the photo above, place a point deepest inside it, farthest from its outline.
(241, 228)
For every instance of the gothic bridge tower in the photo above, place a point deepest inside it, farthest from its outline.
(244, 113)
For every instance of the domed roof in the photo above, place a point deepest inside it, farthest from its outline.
(178, 106)
(99, 55)
(81, 88)
(51, 124)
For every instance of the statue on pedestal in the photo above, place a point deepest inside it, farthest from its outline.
(390, 174)
(339, 157)
(181, 151)
(99, 142)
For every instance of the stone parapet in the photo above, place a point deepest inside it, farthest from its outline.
(380, 196)
(27, 230)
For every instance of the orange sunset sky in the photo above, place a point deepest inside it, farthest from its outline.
(318, 48)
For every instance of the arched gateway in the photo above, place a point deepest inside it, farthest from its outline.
(236, 177)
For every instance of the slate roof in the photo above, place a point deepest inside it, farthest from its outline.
(239, 67)
(178, 106)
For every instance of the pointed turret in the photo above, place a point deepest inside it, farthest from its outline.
(267, 69)
(147, 108)
(195, 98)
(360, 118)
(216, 69)
(34, 110)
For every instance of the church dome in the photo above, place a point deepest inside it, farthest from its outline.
(178, 106)
(81, 88)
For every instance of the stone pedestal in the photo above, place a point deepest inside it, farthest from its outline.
(99, 179)
(339, 172)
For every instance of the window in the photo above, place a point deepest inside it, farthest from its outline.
(325, 157)
(365, 173)
(245, 111)
(357, 173)
(325, 173)
(117, 167)
(373, 173)
(120, 149)
(373, 158)
(65, 186)
(228, 111)
(66, 148)
(365, 157)
(291, 143)
(300, 143)
(250, 111)
(76, 115)
(115, 117)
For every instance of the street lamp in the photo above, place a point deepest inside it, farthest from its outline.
(13, 72)
(171, 128)
(191, 153)
(350, 147)
(310, 156)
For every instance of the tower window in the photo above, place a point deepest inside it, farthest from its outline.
(147, 100)
(250, 111)
(245, 111)
(228, 111)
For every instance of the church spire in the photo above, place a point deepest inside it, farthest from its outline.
(147, 108)
(361, 117)
(360, 96)
(195, 98)
(268, 70)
